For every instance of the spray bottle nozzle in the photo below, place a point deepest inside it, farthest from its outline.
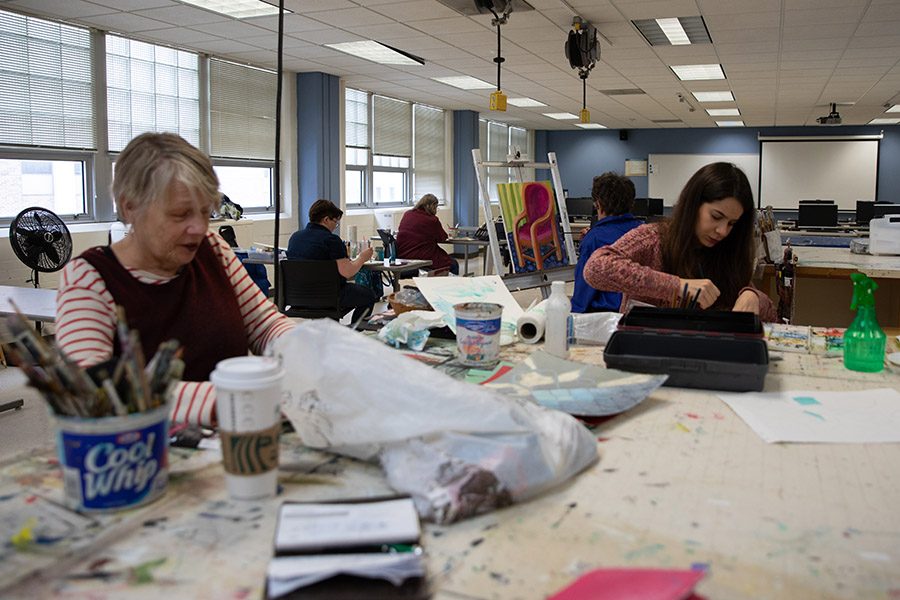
(863, 290)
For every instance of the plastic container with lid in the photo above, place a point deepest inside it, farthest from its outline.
(884, 235)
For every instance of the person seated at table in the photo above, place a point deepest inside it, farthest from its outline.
(317, 241)
(420, 232)
(174, 278)
(706, 250)
(613, 197)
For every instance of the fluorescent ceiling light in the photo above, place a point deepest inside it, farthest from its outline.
(239, 9)
(378, 53)
(723, 112)
(464, 82)
(730, 123)
(894, 108)
(885, 121)
(525, 102)
(560, 116)
(713, 96)
(673, 31)
(590, 125)
(698, 72)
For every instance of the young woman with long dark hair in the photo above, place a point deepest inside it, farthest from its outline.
(707, 245)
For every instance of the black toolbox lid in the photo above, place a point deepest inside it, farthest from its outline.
(688, 320)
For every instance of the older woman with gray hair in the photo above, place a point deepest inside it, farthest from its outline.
(174, 277)
(420, 232)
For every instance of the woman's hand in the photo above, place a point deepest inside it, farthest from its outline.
(709, 293)
(748, 301)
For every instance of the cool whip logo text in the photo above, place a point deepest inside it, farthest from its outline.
(109, 468)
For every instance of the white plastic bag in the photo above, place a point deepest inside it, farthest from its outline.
(456, 448)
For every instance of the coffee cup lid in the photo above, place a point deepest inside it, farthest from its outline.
(247, 369)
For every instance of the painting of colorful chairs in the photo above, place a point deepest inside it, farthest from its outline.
(532, 225)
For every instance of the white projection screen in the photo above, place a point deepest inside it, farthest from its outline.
(843, 170)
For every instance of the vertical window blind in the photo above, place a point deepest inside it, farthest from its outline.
(45, 78)
(241, 111)
(150, 88)
(392, 135)
(428, 162)
(356, 119)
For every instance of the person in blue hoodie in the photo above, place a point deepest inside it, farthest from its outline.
(613, 197)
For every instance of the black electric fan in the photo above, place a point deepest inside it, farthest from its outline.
(41, 240)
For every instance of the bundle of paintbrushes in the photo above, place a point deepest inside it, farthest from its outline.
(685, 300)
(120, 386)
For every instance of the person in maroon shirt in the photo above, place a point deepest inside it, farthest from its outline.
(419, 234)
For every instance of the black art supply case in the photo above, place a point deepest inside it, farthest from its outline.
(696, 349)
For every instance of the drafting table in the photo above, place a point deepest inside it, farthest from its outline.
(681, 481)
(38, 304)
(394, 271)
(823, 288)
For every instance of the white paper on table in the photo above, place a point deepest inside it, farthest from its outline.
(860, 417)
(443, 292)
(288, 573)
(312, 526)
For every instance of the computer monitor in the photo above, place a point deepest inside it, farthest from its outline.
(865, 212)
(655, 207)
(882, 209)
(641, 207)
(817, 213)
(580, 208)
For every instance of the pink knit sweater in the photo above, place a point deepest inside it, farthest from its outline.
(633, 266)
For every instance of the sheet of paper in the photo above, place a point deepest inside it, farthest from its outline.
(288, 573)
(646, 584)
(443, 292)
(313, 526)
(862, 417)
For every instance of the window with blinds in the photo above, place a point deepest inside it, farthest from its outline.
(392, 127)
(356, 119)
(241, 111)
(45, 78)
(428, 159)
(150, 88)
(497, 149)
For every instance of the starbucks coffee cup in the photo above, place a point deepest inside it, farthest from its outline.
(248, 406)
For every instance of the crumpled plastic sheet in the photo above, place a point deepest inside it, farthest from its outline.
(410, 328)
(456, 448)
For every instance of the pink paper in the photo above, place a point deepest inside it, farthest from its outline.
(633, 584)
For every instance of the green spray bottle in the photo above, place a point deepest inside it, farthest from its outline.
(864, 340)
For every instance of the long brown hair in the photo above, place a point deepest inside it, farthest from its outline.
(729, 264)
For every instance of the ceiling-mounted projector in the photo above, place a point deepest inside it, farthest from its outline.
(832, 118)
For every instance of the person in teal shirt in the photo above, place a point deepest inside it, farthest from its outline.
(613, 197)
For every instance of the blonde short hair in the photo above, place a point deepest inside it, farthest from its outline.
(151, 162)
(427, 201)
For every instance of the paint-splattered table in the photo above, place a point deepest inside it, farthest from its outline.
(681, 482)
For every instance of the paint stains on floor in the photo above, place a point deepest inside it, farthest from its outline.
(644, 551)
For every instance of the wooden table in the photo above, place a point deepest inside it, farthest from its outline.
(681, 482)
(823, 288)
(38, 304)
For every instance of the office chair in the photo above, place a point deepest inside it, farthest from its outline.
(311, 289)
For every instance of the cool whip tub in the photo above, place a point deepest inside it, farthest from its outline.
(114, 463)
(478, 333)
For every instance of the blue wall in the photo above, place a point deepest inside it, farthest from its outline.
(584, 154)
(319, 144)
